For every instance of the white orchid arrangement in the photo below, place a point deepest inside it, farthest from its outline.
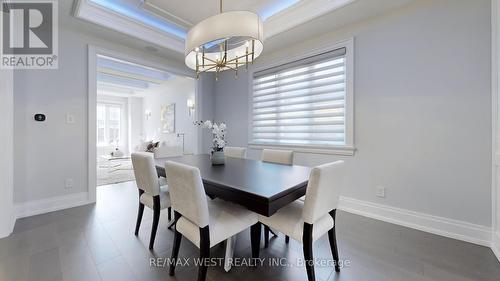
(218, 132)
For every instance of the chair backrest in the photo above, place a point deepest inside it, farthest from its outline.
(187, 194)
(235, 152)
(277, 156)
(323, 191)
(145, 173)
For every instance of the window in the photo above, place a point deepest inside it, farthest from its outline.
(305, 104)
(108, 123)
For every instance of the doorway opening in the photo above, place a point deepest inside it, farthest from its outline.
(136, 106)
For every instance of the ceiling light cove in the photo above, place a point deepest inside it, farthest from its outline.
(134, 12)
(276, 7)
(166, 23)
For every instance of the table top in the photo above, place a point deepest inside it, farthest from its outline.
(267, 181)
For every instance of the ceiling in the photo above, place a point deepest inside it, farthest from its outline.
(335, 21)
(181, 12)
(164, 24)
(117, 77)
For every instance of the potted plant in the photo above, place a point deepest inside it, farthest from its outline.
(218, 142)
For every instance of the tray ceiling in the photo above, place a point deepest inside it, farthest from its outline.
(166, 23)
(181, 12)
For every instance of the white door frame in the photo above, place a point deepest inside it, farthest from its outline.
(93, 52)
(495, 81)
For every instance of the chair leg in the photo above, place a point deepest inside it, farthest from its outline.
(307, 244)
(139, 213)
(156, 220)
(204, 253)
(255, 232)
(176, 247)
(266, 236)
(287, 239)
(171, 223)
(274, 233)
(332, 237)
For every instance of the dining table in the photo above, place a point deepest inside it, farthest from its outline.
(261, 187)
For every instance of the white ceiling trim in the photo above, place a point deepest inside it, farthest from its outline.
(289, 18)
(104, 17)
(300, 13)
(148, 6)
(123, 74)
(112, 88)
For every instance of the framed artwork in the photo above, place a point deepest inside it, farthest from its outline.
(167, 115)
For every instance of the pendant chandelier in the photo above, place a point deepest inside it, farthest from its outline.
(225, 41)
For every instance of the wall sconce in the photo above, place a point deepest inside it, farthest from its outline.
(148, 114)
(190, 106)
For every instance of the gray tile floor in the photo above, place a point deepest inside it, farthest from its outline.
(96, 242)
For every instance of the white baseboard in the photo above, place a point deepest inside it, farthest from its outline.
(451, 228)
(4, 232)
(37, 207)
(495, 245)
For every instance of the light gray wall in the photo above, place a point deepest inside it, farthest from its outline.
(422, 108)
(231, 100)
(47, 153)
(6, 152)
(176, 91)
(205, 109)
(136, 116)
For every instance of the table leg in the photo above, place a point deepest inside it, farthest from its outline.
(230, 243)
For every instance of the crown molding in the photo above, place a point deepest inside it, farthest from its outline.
(168, 16)
(284, 20)
(109, 19)
(295, 15)
(300, 13)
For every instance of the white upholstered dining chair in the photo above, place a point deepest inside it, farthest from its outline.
(284, 157)
(235, 152)
(307, 222)
(153, 191)
(204, 222)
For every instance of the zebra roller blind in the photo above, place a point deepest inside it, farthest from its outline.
(301, 103)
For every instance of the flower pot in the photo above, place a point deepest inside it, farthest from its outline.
(218, 157)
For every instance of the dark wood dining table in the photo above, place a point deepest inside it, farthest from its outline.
(259, 186)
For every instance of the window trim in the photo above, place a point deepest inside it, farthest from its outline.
(347, 149)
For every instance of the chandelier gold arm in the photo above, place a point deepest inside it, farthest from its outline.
(225, 62)
(211, 60)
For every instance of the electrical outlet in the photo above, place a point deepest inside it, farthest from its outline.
(380, 191)
(70, 119)
(68, 183)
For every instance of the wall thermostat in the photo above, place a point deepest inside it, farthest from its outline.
(40, 117)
